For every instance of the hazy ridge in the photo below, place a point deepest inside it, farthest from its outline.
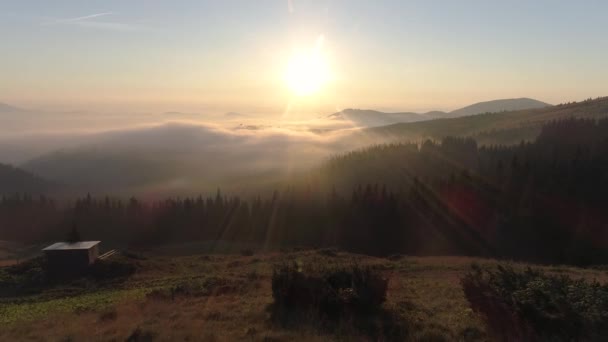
(367, 118)
(183, 157)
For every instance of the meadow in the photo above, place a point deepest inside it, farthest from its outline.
(229, 297)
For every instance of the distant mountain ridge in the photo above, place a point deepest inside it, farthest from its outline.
(496, 106)
(490, 128)
(371, 118)
(5, 108)
(15, 180)
(180, 157)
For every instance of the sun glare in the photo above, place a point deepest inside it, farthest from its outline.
(307, 71)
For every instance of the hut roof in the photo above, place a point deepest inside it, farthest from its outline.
(70, 246)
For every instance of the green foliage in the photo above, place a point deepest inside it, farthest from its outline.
(348, 301)
(116, 267)
(25, 278)
(16, 311)
(532, 305)
(330, 291)
(30, 278)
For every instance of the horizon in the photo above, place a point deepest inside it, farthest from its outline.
(254, 115)
(297, 170)
(278, 58)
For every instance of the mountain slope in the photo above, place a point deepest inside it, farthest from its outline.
(5, 108)
(180, 157)
(370, 118)
(373, 118)
(503, 105)
(15, 180)
(503, 127)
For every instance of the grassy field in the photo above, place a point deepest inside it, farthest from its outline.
(228, 297)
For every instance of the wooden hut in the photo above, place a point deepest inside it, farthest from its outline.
(74, 257)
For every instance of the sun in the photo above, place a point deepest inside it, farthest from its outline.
(307, 71)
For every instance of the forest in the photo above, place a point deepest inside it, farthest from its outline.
(540, 201)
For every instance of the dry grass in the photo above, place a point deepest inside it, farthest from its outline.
(423, 291)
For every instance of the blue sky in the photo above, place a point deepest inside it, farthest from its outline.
(230, 55)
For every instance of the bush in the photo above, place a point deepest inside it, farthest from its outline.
(530, 305)
(28, 277)
(329, 292)
(115, 268)
(346, 301)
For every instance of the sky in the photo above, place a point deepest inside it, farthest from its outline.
(232, 56)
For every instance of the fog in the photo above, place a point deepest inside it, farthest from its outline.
(167, 152)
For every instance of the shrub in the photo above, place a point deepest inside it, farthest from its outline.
(329, 292)
(116, 267)
(344, 300)
(530, 305)
(28, 277)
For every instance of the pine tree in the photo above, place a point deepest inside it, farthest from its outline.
(73, 235)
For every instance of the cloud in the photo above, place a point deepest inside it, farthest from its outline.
(179, 156)
(111, 26)
(90, 21)
(79, 19)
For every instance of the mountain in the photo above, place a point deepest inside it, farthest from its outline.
(178, 157)
(504, 105)
(185, 157)
(15, 180)
(4, 108)
(491, 128)
(373, 118)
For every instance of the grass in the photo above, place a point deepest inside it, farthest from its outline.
(229, 297)
(11, 313)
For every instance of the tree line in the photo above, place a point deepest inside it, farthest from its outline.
(541, 201)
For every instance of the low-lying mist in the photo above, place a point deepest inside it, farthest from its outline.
(172, 153)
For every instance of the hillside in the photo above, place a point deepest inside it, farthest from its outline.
(372, 118)
(5, 108)
(93, 169)
(229, 297)
(15, 180)
(183, 158)
(503, 128)
(496, 106)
